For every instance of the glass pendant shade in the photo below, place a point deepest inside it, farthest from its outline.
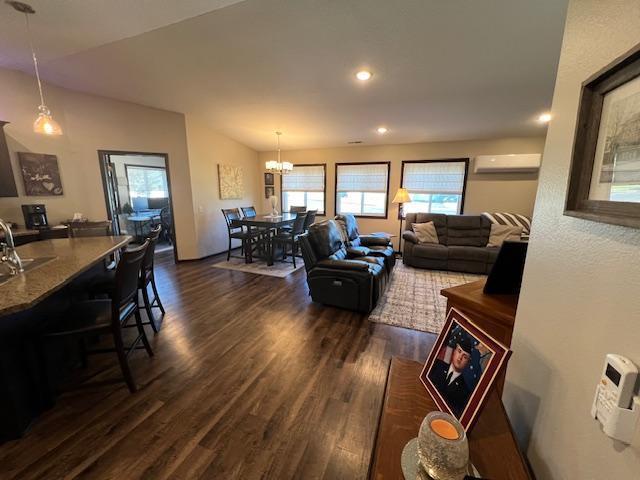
(45, 123)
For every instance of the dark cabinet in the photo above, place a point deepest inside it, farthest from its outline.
(7, 182)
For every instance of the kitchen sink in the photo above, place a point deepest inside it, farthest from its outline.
(28, 264)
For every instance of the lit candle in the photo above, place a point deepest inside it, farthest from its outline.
(444, 429)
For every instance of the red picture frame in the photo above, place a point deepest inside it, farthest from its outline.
(462, 368)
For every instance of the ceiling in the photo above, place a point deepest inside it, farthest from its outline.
(443, 69)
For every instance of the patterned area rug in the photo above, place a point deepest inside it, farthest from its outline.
(413, 298)
(259, 267)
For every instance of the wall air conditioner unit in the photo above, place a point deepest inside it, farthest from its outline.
(521, 163)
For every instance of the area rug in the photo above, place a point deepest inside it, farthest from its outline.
(260, 267)
(413, 298)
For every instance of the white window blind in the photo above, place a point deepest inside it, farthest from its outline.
(366, 177)
(434, 177)
(304, 179)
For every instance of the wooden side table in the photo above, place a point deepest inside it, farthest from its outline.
(492, 445)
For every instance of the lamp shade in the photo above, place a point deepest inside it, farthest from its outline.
(402, 196)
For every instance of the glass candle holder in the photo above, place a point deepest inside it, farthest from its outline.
(443, 449)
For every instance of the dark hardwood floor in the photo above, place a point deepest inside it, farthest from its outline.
(250, 379)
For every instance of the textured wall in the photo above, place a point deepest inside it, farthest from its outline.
(581, 291)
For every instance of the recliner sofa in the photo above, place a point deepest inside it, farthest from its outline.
(334, 276)
(462, 243)
(366, 245)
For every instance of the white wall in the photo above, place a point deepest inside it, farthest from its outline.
(513, 192)
(581, 292)
(207, 149)
(91, 123)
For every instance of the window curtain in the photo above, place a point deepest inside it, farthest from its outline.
(365, 177)
(434, 177)
(304, 179)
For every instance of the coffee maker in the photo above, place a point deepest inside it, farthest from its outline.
(35, 216)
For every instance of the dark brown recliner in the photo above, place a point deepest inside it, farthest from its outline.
(335, 279)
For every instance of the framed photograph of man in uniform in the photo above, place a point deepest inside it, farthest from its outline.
(462, 368)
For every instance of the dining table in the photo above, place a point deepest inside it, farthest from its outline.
(269, 223)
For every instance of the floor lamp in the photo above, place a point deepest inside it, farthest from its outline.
(402, 196)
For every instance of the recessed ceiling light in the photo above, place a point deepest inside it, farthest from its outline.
(364, 75)
(382, 130)
(544, 118)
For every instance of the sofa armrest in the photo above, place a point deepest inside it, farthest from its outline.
(410, 236)
(374, 240)
(355, 252)
(344, 264)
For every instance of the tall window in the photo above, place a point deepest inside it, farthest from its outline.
(435, 186)
(362, 189)
(147, 182)
(304, 187)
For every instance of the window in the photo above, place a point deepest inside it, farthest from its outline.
(304, 186)
(147, 182)
(435, 186)
(362, 189)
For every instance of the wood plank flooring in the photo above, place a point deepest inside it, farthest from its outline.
(250, 380)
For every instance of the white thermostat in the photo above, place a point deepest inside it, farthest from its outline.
(615, 405)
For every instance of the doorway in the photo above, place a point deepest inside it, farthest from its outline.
(137, 191)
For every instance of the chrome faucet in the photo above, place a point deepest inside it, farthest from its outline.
(9, 254)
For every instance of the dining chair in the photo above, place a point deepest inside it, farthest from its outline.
(235, 230)
(90, 229)
(310, 219)
(166, 220)
(92, 318)
(248, 211)
(290, 238)
(300, 209)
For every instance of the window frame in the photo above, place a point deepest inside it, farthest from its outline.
(386, 203)
(324, 198)
(443, 160)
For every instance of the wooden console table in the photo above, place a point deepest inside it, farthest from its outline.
(495, 314)
(492, 445)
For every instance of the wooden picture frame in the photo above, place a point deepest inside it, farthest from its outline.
(269, 179)
(462, 367)
(599, 135)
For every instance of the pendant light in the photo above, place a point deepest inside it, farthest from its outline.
(277, 166)
(45, 123)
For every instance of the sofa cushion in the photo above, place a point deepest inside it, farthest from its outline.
(469, 254)
(349, 225)
(439, 220)
(435, 252)
(467, 230)
(500, 233)
(425, 232)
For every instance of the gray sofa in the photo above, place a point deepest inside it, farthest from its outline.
(462, 243)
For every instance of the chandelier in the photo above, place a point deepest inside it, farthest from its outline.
(278, 166)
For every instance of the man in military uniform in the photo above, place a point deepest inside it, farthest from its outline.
(448, 378)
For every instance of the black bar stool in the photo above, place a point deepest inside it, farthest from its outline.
(91, 318)
(104, 284)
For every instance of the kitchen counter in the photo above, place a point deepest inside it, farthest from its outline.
(72, 257)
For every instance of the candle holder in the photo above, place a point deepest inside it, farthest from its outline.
(441, 451)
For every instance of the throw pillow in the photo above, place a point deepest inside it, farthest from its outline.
(426, 232)
(500, 233)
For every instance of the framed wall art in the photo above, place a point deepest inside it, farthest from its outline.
(604, 183)
(462, 368)
(40, 174)
(269, 192)
(269, 179)
(231, 182)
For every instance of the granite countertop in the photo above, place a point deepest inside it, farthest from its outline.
(21, 232)
(73, 256)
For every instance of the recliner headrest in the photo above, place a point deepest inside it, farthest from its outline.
(325, 238)
(350, 225)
